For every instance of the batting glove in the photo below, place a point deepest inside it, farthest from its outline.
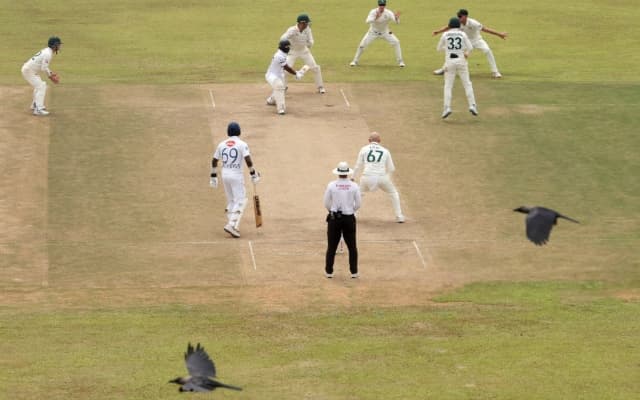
(255, 177)
(299, 75)
(213, 182)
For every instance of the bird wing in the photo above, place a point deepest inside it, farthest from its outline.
(567, 218)
(195, 386)
(539, 223)
(198, 362)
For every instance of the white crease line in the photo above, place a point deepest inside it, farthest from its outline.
(424, 263)
(213, 102)
(344, 96)
(253, 257)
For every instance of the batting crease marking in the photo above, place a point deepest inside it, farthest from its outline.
(213, 102)
(344, 96)
(424, 263)
(253, 257)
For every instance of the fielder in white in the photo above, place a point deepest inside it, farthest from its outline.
(378, 20)
(31, 72)
(232, 152)
(473, 28)
(275, 76)
(457, 47)
(301, 39)
(376, 165)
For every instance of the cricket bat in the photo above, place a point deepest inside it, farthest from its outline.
(256, 207)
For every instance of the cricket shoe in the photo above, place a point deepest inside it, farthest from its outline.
(353, 63)
(271, 101)
(355, 276)
(321, 90)
(400, 219)
(439, 71)
(40, 111)
(446, 113)
(328, 275)
(232, 231)
(281, 111)
(401, 64)
(496, 75)
(473, 110)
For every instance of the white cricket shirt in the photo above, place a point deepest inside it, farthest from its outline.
(380, 25)
(300, 41)
(231, 153)
(375, 159)
(276, 68)
(472, 28)
(40, 61)
(454, 41)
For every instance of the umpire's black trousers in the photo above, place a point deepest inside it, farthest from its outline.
(339, 225)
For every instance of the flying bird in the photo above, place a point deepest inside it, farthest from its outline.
(201, 369)
(539, 222)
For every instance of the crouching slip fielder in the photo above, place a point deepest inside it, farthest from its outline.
(378, 20)
(275, 76)
(301, 39)
(232, 152)
(31, 72)
(377, 166)
(457, 47)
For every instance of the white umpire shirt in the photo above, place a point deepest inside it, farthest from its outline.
(342, 195)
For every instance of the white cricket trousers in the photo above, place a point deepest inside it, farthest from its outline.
(39, 86)
(236, 197)
(278, 86)
(371, 183)
(460, 67)
(307, 59)
(481, 45)
(372, 35)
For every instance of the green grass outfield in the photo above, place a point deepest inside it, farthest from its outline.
(560, 129)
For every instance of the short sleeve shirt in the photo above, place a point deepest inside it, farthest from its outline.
(231, 152)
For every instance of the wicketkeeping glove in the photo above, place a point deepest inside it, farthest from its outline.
(213, 182)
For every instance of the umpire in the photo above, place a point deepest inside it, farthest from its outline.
(342, 200)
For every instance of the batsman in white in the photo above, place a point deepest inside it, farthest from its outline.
(376, 165)
(232, 152)
(457, 47)
(275, 76)
(473, 28)
(301, 39)
(31, 72)
(378, 20)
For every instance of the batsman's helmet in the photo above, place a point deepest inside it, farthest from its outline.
(454, 23)
(54, 41)
(284, 45)
(233, 129)
(304, 18)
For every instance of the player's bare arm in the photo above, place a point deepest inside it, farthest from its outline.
(439, 31)
(289, 69)
(502, 35)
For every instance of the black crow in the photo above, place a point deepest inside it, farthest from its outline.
(201, 369)
(539, 222)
